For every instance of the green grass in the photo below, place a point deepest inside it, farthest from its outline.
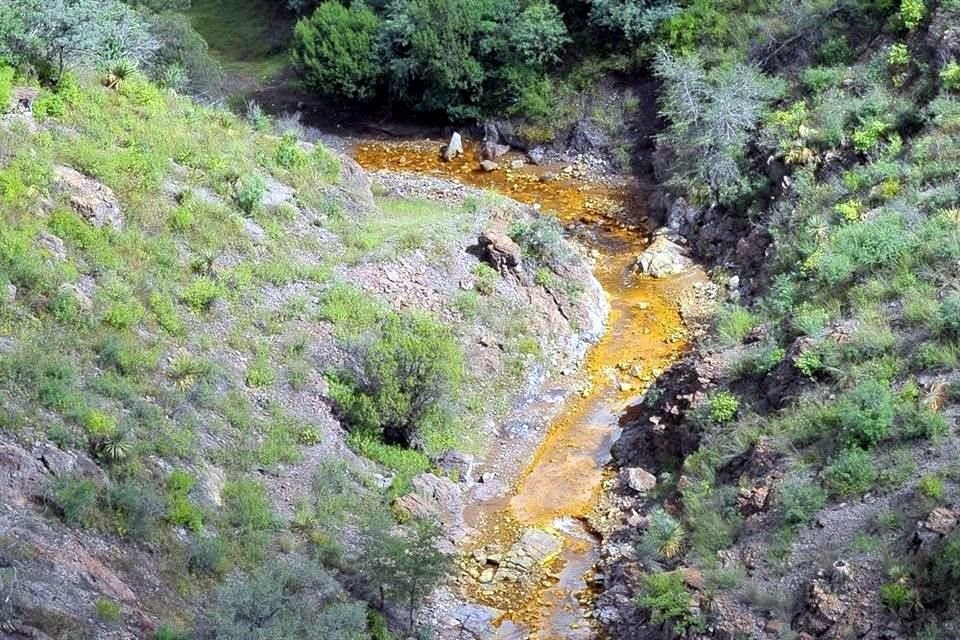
(247, 37)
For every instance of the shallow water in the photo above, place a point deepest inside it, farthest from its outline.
(561, 485)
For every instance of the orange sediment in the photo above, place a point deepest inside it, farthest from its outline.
(644, 335)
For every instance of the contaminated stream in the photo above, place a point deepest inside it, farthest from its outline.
(560, 489)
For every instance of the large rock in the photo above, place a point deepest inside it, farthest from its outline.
(94, 201)
(439, 499)
(535, 548)
(489, 165)
(663, 257)
(454, 148)
(490, 150)
(500, 252)
(639, 480)
(276, 193)
(585, 137)
(355, 181)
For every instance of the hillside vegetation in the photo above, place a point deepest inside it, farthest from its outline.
(806, 453)
(222, 356)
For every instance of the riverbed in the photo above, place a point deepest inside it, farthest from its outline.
(559, 488)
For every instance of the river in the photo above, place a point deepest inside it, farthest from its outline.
(560, 488)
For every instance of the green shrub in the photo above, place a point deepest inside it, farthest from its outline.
(950, 76)
(897, 596)
(404, 381)
(180, 511)
(912, 13)
(486, 278)
(734, 323)
(136, 509)
(248, 193)
(898, 55)
(259, 372)
(668, 600)
(723, 407)
(246, 506)
(541, 241)
(76, 499)
(865, 414)
(335, 51)
(801, 501)
(289, 155)
(165, 311)
(108, 610)
(6, 87)
(931, 486)
(861, 247)
(49, 105)
(851, 473)
(948, 320)
(202, 293)
(208, 556)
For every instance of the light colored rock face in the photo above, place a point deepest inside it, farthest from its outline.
(94, 201)
(439, 499)
(663, 258)
(534, 548)
(489, 165)
(501, 252)
(454, 147)
(277, 193)
(639, 480)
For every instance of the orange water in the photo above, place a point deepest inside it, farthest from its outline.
(561, 485)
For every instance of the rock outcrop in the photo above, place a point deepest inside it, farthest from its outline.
(94, 201)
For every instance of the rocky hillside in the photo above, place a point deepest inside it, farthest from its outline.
(800, 464)
(225, 352)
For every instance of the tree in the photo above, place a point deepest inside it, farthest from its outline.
(335, 50)
(403, 563)
(287, 599)
(635, 19)
(711, 115)
(54, 34)
(466, 57)
(401, 378)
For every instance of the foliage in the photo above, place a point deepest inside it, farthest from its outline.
(950, 76)
(664, 537)
(486, 278)
(800, 501)
(912, 13)
(248, 193)
(286, 599)
(668, 600)
(108, 610)
(335, 50)
(931, 486)
(402, 379)
(202, 293)
(76, 499)
(403, 564)
(865, 414)
(6, 86)
(723, 407)
(541, 241)
(711, 115)
(246, 505)
(850, 473)
(635, 19)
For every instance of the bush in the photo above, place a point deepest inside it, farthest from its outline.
(76, 499)
(664, 537)
(180, 511)
(950, 76)
(801, 501)
(541, 241)
(931, 486)
(202, 293)
(948, 317)
(865, 414)
(723, 407)
(108, 610)
(136, 509)
(335, 51)
(861, 247)
(917, 422)
(208, 556)
(668, 600)
(248, 193)
(246, 506)
(6, 87)
(403, 380)
(897, 596)
(734, 323)
(289, 155)
(912, 13)
(849, 474)
(486, 278)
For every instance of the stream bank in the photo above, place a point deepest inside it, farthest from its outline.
(526, 569)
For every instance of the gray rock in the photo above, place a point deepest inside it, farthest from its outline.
(534, 548)
(81, 298)
(254, 231)
(639, 480)
(538, 155)
(461, 464)
(663, 258)
(52, 245)
(209, 488)
(489, 165)
(276, 193)
(94, 201)
(454, 148)
(500, 251)
(477, 621)
(10, 293)
(585, 137)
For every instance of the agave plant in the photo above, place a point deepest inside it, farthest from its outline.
(118, 73)
(116, 447)
(664, 536)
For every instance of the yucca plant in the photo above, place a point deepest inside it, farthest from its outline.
(664, 537)
(186, 371)
(118, 73)
(115, 447)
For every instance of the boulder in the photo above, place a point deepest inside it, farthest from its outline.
(52, 245)
(535, 548)
(538, 155)
(476, 622)
(489, 165)
(462, 465)
(440, 499)
(454, 148)
(500, 252)
(355, 181)
(639, 480)
(81, 298)
(663, 257)
(752, 500)
(585, 137)
(490, 150)
(94, 201)
(276, 193)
